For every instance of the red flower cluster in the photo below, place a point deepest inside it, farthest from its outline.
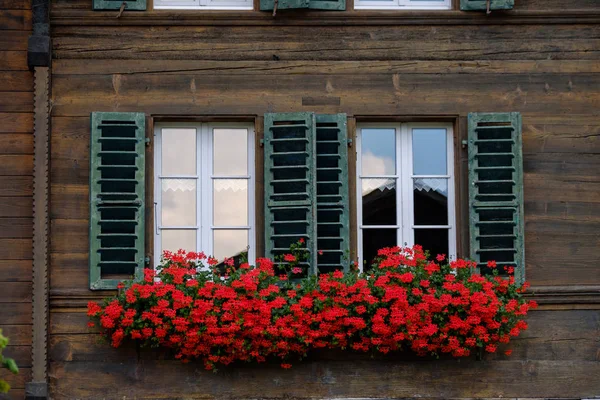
(252, 313)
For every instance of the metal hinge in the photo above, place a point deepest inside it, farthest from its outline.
(148, 141)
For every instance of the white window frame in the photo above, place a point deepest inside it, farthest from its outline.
(204, 186)
(203, 5)
(404, 185)
(403, 5)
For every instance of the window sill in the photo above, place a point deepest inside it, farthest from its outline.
(304, 17)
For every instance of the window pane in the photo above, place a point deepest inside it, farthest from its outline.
(378, 151)
(229, 243)
(378, 201)
(178, 151)
(433, 240)
(429, 151)
(174, 240)
(431, 201)
(230, 202)
(230, 151)
(178, 202)
(373, 240)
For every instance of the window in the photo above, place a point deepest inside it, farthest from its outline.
(204, 4)
(405, 188)
(204, 188)
(403, 4)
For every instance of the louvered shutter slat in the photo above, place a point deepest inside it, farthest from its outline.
(332, 192)
(117, 189)
(496, 190)
(268, 5)
(289, 179)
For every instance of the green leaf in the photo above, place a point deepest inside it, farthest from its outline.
(11, 365)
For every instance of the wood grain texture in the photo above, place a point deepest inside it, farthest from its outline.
(16, 143)
(555, 350)
(15, 270)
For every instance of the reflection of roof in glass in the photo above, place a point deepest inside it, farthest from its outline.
(439, 185)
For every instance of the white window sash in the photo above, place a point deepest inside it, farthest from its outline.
(204, 187)
(404, 186)
(403, 4)
(203, 5)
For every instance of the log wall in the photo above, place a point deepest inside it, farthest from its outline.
(542, 59)
(16, 181)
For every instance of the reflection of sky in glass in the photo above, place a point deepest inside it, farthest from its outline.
(228, 243)
(174, 240)
(178, 205)
(230, 151)
(429, 151)
(178, 151)
(378, 151)
(230, 202)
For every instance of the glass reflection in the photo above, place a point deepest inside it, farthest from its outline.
(230, 151)
(178, 202)
(229, 243)
(378, 201)
(178, 151)
(230, 202)
(433, 240)
(174, 239)
(373, 240)
(431, 201)
(378, 151)
(429, 151)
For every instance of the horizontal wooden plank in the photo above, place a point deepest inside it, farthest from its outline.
(21, 355)
(69, 201)
(561, 210)
(16, 207)
(552, 335)
(15, 292)
(16, 81)
(16, 102)
(347, 67)
(16, 381)
(19, 335)
(542, 187)
(393, 94)
(577, 166)
(16, 122)
(15, 165)
(19, 20)
(16, 227)
(329, 379)
(13, 60)
(16, 143)
(69, 236)
(15, 249)
(16, 314)
(15, 270)
(69, 271)
(229, 43)
(15, 185)
(17, 40)
(14, 5)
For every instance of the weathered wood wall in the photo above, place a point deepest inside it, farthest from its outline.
(16, 180)
(167, 63)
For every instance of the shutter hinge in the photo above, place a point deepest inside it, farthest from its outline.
(147, 140)
(464, 143)
(349, 142)
(262, 142)
(147, 260)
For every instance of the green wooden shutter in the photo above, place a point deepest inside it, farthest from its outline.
(290, 197)
(332, 192)
(117, 189)
(474, 5)
(496, 191)
(139, 5)
(267, 5)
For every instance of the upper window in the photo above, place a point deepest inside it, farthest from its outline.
(403, 4)
(204, 4)
(405, 188)
(204, 189)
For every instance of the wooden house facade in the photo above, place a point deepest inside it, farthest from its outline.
(69, 68)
